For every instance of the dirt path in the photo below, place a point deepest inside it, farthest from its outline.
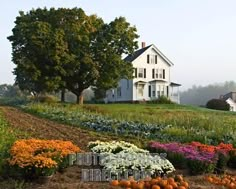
(70, 178)
(45, 129)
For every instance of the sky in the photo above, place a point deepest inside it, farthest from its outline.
(198, 36)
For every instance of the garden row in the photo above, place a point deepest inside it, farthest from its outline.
(139, 129)
(32, 157)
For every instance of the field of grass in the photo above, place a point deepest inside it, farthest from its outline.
(7, 137)
(168, 122)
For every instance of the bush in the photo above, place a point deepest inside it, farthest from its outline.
(161, 100)
(45, 99)
(218, 104)
(232, 160)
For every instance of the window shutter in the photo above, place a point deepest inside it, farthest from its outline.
(149, 90)
(167, 91)
(144, 72)
(148, 58)
(164, 74)
(153, 73)
(155, 59)
(135, 72)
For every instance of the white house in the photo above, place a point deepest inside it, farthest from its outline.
(152, 78)
(230, 98)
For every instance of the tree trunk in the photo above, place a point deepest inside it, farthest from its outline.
(63, 95)
(80, 99)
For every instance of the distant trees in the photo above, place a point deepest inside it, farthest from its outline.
(218, 104)
(199, 95)
(59, 49)
(10, 91)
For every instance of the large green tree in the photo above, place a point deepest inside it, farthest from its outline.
(66, 49)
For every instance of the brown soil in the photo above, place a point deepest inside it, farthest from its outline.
(70, 179)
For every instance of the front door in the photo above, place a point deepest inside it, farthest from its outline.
(140, 89)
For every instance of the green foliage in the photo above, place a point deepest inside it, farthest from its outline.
(45, 99)
(200, 167)
(232, 159)
(161, 100)
(11, 91)
(16, 101)
(7, 138)
(66, 49)
(218, 104)
(223, 159)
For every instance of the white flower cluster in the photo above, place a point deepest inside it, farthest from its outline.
(122, 156)
(114, 147)
(123, 161)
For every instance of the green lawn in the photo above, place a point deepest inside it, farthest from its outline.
(187, 122)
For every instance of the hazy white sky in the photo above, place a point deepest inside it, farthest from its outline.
(198, 36)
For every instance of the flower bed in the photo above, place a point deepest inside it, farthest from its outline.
(122, 156)
(200, 158)
(40, 157)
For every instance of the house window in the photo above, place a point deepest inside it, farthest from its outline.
(158, 93)
(127, 84)
(152, 57)
(153, 91)
(119, 92)
(149, 91)
(160, 73)
(157, 73)
(141, 72)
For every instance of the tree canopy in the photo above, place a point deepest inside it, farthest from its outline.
(66, 49)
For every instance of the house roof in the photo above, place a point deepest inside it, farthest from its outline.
(136, 54)
(158, 80)
(175, 84)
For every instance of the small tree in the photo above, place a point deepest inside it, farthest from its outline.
(218, 104)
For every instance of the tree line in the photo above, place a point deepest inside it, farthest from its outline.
(200, 95)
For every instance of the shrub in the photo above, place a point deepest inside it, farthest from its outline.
(218, 104)
(232, 160)
(197, 166)
(45, 99)
(39, 157)
(161, 100)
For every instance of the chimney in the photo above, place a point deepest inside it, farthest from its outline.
(143, 45)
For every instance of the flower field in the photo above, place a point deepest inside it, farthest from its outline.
(150, 131)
